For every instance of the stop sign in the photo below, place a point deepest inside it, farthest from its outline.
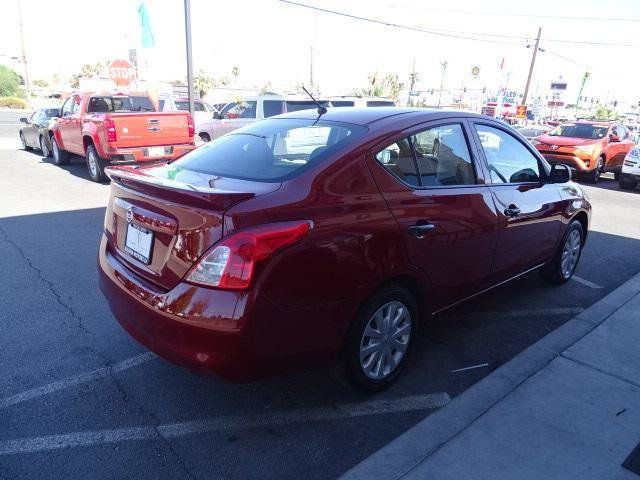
(122, 72)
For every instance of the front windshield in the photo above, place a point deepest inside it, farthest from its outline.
(271, 150)
(580, 130)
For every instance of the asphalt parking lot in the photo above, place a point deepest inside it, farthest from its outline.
(80, 399)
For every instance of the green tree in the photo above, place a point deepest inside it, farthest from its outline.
(381, 86)
(9, 82)
(235, 71)
(203, 82)
(603, 113)
(88, 70)
(41, 83)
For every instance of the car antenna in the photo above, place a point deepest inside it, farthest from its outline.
(321, 110)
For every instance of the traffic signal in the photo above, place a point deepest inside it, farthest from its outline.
(615, 103)
(484, 90)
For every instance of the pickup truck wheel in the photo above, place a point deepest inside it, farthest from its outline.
(205, 137)
(95, 164)
(627, 183)
(564, 262)
(60, 157)
(44, 148)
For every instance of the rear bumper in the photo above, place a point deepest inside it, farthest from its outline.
(235, 334)
(119, 156)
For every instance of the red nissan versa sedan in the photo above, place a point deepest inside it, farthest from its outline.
(307, 239)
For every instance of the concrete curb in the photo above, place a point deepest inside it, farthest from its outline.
(401, 455)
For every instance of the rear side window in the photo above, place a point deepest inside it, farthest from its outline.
(443, 156)
(272, 107)
(140, 103)
(397, 159)
(296, 105)
(271, 150)
(509, 160)
(243, 110)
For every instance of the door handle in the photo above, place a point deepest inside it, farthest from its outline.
(512, 211)
(420, 230)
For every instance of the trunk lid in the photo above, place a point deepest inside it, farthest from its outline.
(151, 128)
(183, 211)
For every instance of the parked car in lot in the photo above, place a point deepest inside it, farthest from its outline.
(630, 173)
(202, 111)
(350, 101)
(530, 132)
(35, 133)
(251, 110)
(110, 129)
(308, 239)
(589, 147)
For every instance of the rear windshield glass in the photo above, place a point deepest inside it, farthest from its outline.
(295, 105)
(271, 150)
(380, 103)
(342, 103)
(104, 104)
(580, 130)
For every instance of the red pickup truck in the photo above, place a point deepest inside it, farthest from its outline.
(110, 129)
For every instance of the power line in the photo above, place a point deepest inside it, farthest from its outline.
(456, 33)
(505, 14)
(395, 25)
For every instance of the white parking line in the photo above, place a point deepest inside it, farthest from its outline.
(585, 282)
(530, 313)
(75, 380)
(231, 422)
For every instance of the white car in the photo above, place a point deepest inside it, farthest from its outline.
(202, 111)
(252, 109)
(361, 102)
(630, 173)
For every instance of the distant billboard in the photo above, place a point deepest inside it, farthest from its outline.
(558, 85)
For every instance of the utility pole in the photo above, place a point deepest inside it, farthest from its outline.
(533, 62)
(413, 79)
(444, 69)
(311, 68)
(27, 85)
(187, 31)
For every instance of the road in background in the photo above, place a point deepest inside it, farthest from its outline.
(81, 399)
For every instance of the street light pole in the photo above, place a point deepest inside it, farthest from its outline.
(444, 69)
(533, 62)
(27, 85)
(187, 31)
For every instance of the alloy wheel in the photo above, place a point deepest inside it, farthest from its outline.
(24, 144)
(43, 147)
(385, 340)
(93, 164)
(570, 253)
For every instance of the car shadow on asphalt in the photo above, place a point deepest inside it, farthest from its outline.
(77, 166)
(607, 182)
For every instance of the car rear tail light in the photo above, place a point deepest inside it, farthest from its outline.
(110, 129)
(230, 264)
(192, 128)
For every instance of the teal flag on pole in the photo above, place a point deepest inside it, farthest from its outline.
(145, 26)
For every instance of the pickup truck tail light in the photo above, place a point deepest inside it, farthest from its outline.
(110, 129)
(229, 265)
(192, 128)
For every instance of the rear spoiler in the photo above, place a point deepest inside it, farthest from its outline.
(172, 190)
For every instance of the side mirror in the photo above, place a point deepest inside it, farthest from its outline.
(614, 138)
(24, 120)
(559, 173)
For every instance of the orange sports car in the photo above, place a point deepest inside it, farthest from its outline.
(589, 147)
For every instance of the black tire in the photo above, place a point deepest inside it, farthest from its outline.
(626, 183)
(594, 175)
(95, 165)
(390, 297)
(24, 143)
(60, 157)
(616, 175)
(205, 137)
(44, 147)
(555, 272)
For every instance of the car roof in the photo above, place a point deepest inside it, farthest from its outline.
(355, 97)
(369, 115)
